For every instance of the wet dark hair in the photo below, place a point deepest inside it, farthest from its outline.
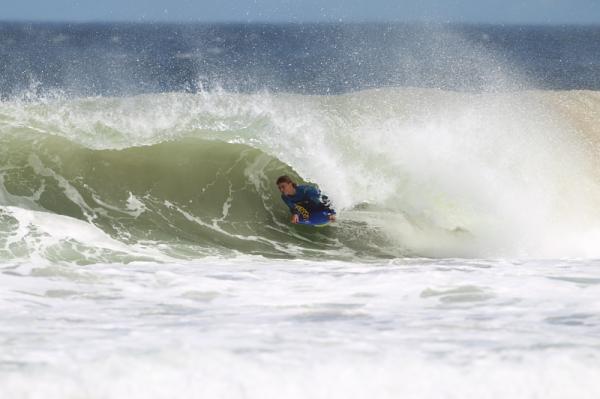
(285, 179)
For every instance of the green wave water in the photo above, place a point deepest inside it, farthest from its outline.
(412, 173)
(193, 196)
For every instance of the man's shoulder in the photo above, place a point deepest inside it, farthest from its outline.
(308, 190)
(305, 187)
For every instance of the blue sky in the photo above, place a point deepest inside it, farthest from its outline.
(486, 11)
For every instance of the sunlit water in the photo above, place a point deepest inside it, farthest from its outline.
(145, 252)
(250, 327)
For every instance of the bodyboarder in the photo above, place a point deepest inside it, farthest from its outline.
(303, 199)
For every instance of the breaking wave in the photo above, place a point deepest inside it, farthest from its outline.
(413, 172)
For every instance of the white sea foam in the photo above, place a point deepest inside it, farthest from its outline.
(92, 310)
(253, 328)
(48, 237)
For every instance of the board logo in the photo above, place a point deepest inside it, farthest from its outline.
(302, 211)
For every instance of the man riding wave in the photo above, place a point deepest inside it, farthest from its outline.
(303, 199)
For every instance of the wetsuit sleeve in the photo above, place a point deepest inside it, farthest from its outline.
(321, 201)
(313, 194)
(290, 204)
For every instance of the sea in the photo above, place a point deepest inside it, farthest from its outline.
(145, 251)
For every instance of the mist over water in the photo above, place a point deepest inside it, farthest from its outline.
(129, 59)
(145, 251)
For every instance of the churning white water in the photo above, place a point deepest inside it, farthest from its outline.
(144, 252)
(257, 328)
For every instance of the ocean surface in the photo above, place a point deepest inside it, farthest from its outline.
(145, 251)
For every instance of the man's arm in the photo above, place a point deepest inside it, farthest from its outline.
(316, 197)
(295, 216)
(312, 193)
(290, 204)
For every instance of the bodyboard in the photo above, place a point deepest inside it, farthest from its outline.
(320, 218)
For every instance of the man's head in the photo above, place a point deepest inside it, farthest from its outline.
(286, 185)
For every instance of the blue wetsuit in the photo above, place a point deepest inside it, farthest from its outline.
(308, 198)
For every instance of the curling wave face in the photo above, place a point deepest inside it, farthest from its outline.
(416, 172)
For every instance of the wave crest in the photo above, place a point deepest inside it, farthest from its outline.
(414, 171)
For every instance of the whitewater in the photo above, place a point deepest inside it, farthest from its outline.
(145, 251)
(417, 172)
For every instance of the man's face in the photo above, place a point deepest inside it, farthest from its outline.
(286, 188)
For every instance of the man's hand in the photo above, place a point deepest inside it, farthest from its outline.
(295, 219)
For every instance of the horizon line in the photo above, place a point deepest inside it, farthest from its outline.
(296, 23)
